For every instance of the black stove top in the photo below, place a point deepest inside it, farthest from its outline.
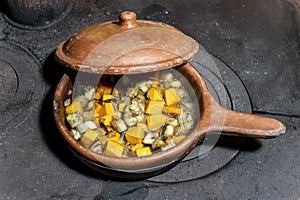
(255, 49)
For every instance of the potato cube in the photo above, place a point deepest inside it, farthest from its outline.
(107, 119)
(115, 138)
(145, 151)
(73, 108)
(89, 137)
(106, 109)
(97, 95)
(154, 107)
(107, 97)
(113, 149)
(121, 107)
(154, 122)
(154, 94)
(171, 97)
(135, 135)
(135, 147)
(172, 110)
(169, 131)
(179, 138)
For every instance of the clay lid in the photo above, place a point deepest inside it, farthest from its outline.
(126, 46)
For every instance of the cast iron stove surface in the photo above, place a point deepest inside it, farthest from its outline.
(255, 46)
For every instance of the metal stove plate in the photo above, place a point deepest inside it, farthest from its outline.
(21, 70)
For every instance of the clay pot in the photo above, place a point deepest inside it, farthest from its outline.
(133, 46)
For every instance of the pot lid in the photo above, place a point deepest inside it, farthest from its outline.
(126, 46)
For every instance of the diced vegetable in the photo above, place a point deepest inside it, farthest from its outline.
(135, 135)
(171, 97)
(90, 125)
(90, 105)
(106, 97)
(154, 107)
(156, 121)
(150, 138)
(169, 131)
(107, 119)
(145, 151)
(82, 99)
(74, 119)
(179, 138)
(115, 138)
(107, 89)
(122, 107)
(135, 118)
(154, 95)
(74, 108)
(135, 147)
(89, 93)
(67, 102)
(119, 125)
(155, 84)
(81, 128)
(89, 137)
(172, 110)
(106, 109)
(98, 95)
(75, 134)
(113, 149)
(158, 143)
(175, 84)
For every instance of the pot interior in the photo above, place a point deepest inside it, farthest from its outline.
(148, 163)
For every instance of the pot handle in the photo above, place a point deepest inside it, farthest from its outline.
(250, 125)
(233, 123)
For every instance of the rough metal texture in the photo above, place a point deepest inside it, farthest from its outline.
(259, 40)
(35, 13)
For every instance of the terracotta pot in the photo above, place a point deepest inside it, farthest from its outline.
(124, 46)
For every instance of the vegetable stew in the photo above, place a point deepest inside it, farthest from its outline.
(132, 115)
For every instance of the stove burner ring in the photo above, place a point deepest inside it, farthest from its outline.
(21, 87)
(8, 82)
(195, 165)
(45, 25)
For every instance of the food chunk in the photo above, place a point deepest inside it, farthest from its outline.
(74, 108)
(154, 94)
(172, 110)
(135, 135)
(107, 119)
(89, 137)
(156, 121)
(154, 107)
(171, 97)
(115, 138)
(145, 151)
(136, 147)
(106, 109)
(113, 149)
(107, 97)
(179, 138)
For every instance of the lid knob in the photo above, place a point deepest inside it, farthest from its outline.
(127, 19)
